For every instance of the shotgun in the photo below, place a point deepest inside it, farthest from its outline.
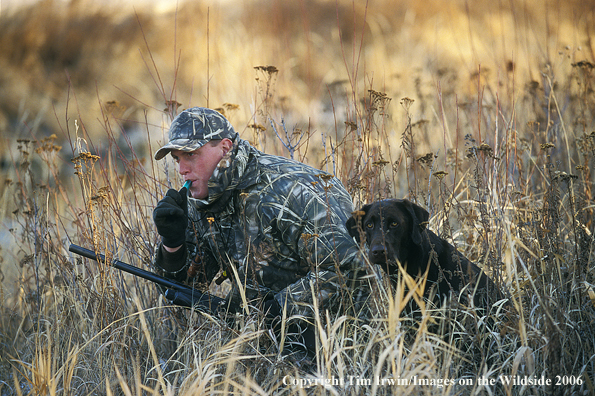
(177, 293)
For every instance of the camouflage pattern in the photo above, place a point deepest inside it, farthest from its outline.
(281, 225)
(194, 127)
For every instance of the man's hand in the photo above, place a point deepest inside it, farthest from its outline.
(171, 217)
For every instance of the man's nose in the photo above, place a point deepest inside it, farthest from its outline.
(183, 168)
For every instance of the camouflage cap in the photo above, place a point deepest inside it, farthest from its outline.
(194, 127)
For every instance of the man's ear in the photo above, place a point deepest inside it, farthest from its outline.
(354, 223)
(419, 220)
(226, 145)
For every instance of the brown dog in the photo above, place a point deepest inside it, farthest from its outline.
(395, 230)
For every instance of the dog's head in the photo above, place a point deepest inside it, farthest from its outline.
(391, 228)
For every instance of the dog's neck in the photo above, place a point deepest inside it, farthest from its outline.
(420, 253)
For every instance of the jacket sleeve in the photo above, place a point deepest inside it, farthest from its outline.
(171, 265)
(315, 224)
(192, 264)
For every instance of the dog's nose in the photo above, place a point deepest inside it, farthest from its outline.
(377, 254)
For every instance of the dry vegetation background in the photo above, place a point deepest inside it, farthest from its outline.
(480, 111)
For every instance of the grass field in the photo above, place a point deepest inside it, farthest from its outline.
(481, 112)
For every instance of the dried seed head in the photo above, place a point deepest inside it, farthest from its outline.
(267, 69)
(352, 125)
(172, 106)
(427, 158)
(440, 174)
(257, 127)
(380, 162)
(324, 176)
(407, 102)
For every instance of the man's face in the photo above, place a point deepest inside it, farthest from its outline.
(199, 165)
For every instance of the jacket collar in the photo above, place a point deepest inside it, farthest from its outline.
(238, 170)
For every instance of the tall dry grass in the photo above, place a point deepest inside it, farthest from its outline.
(482, 113)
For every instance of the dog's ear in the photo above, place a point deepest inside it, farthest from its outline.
(354, 223)
(419, 220)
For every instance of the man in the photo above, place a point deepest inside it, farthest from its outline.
(279, 223)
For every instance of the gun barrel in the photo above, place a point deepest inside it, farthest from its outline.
(184, 295)
(125, 267)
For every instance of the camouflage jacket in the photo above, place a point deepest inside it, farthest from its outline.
(280, 224)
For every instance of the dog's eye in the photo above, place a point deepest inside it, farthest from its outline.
(394, 224)
(370, 225)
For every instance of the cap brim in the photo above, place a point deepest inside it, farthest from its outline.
(179, 144)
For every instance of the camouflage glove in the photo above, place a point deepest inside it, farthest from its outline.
(171, 217)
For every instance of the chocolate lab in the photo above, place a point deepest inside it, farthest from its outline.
(395, 230)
